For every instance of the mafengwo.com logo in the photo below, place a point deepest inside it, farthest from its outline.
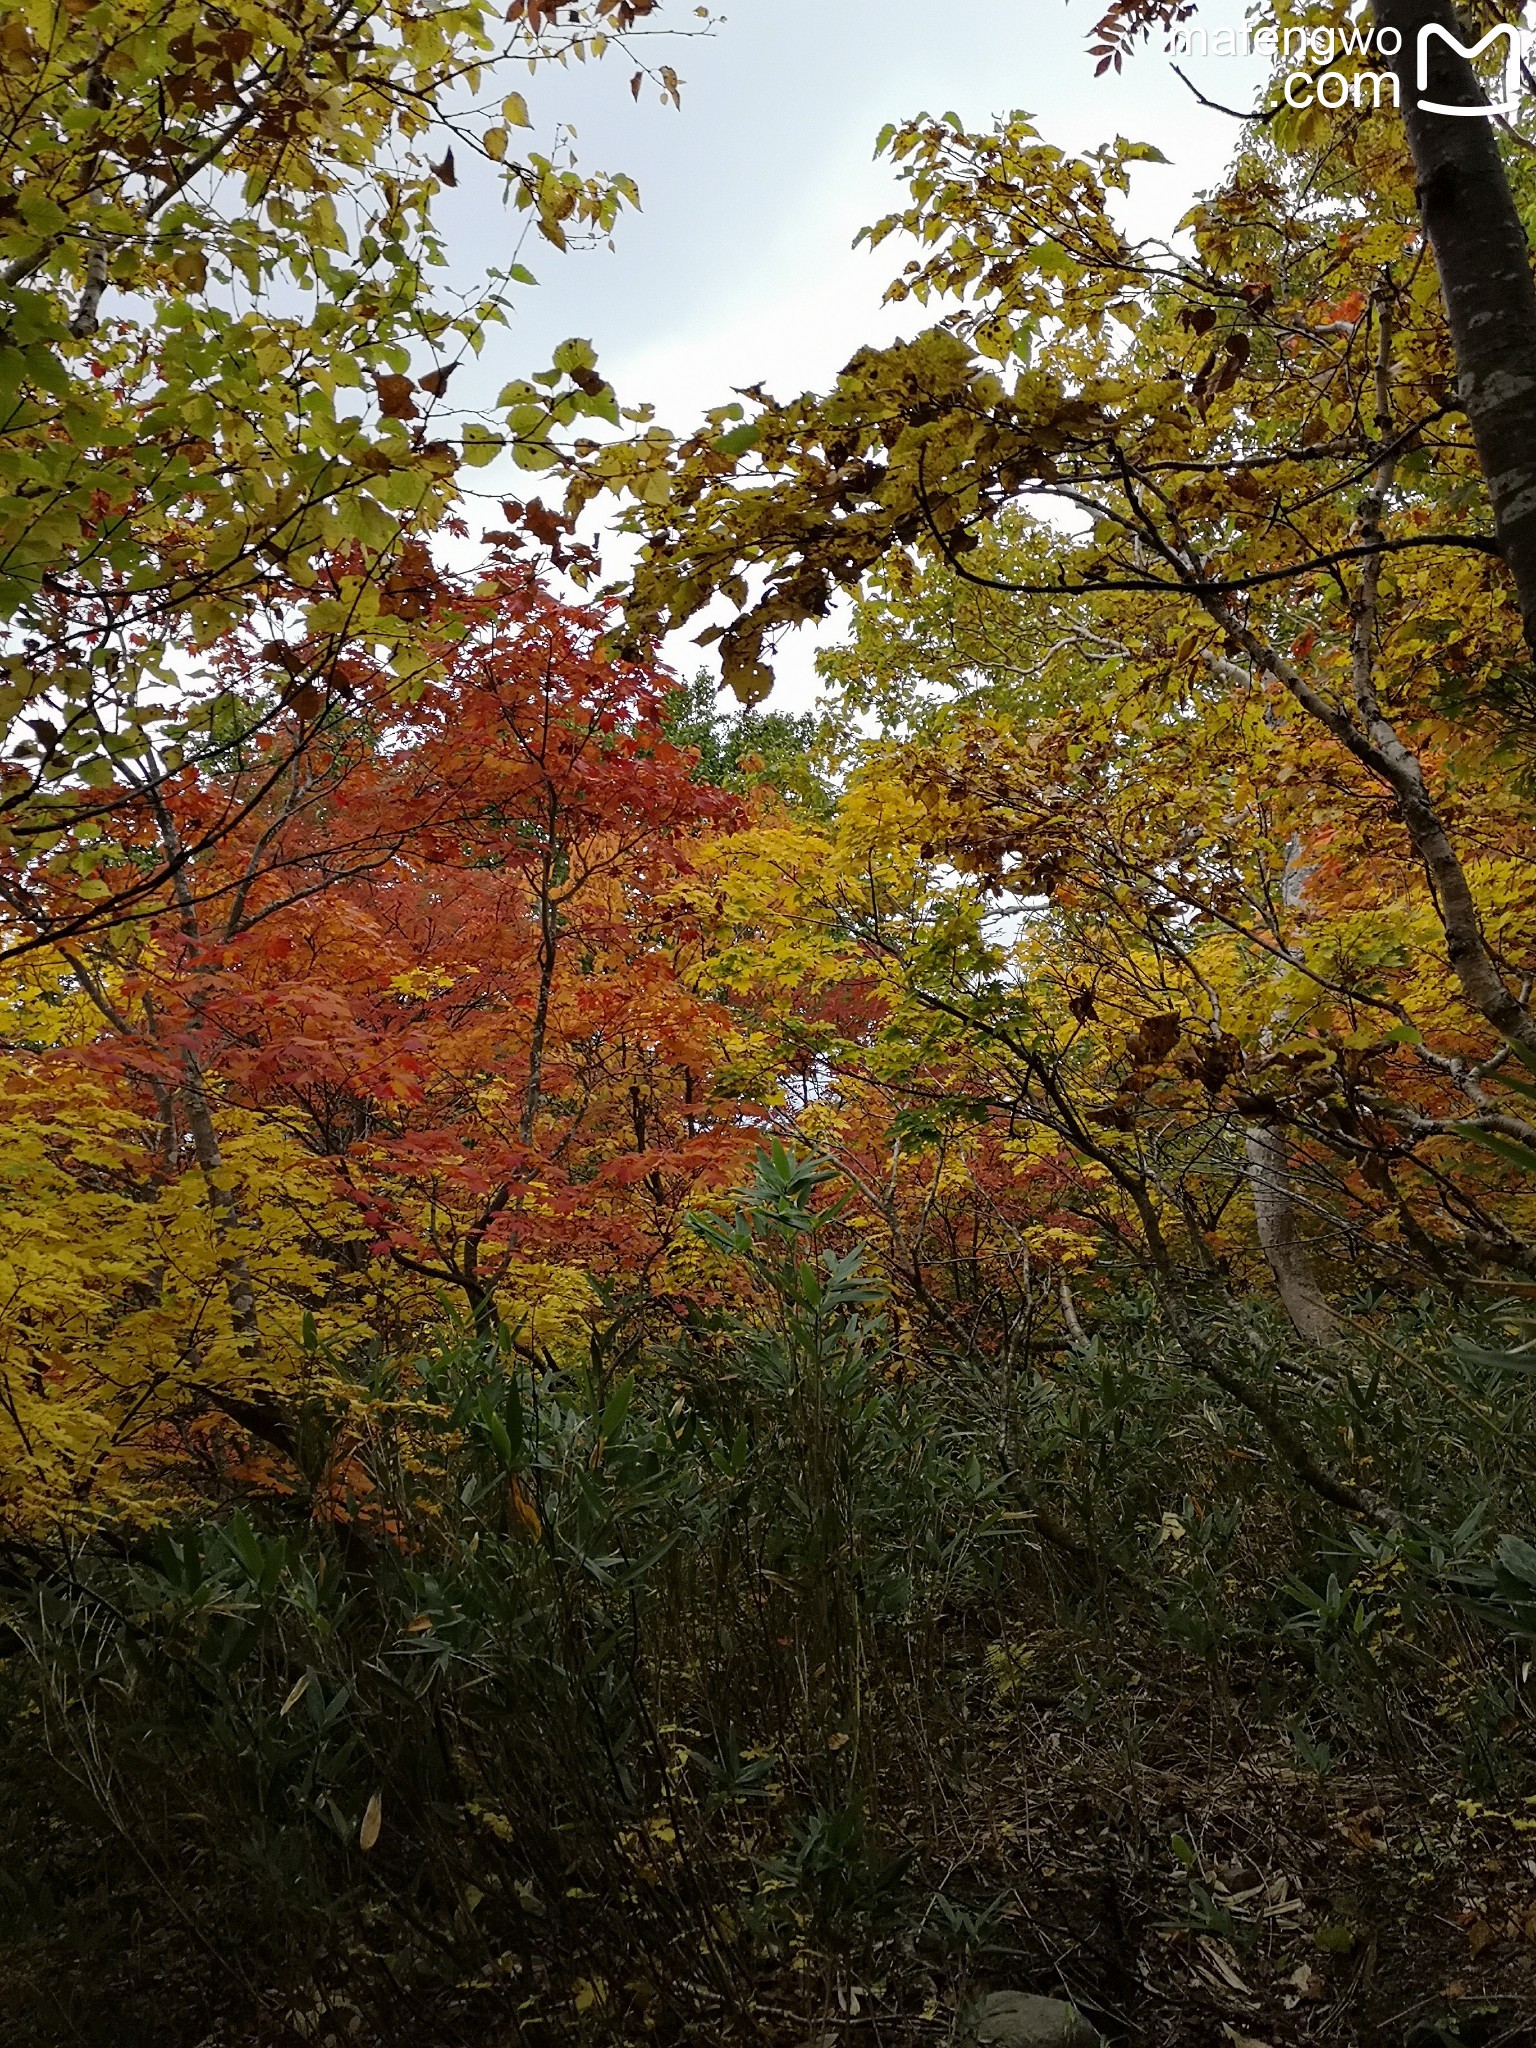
(1360, 65)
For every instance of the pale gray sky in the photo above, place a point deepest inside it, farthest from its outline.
(740, 268)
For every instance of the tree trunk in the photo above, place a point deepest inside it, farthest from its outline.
(1274, 1209)
(1484, 264)
(224, 1206)
(549, 948)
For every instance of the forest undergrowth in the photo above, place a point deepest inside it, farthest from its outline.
(736, 1684)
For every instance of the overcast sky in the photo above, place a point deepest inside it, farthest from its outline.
(739, 268)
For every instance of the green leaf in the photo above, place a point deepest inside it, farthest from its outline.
(1518, 1558)
(1502, 1361)
(512, 1420)
(481, 446)
(575, 354)
(1507, 1148)
(739, 439)
(616, 1410)
(501, 1438)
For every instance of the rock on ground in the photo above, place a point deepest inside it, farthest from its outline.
(1016, 2019)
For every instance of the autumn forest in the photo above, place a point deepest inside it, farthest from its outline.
(680, 1368)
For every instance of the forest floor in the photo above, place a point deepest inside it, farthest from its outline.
(1181, 1880)
(1155, 1854)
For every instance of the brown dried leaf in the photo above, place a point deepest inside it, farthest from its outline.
(1155, 1038)
(544, 523)
(395, 400)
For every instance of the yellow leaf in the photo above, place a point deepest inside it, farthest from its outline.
(190, 269)
(373, 1820)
